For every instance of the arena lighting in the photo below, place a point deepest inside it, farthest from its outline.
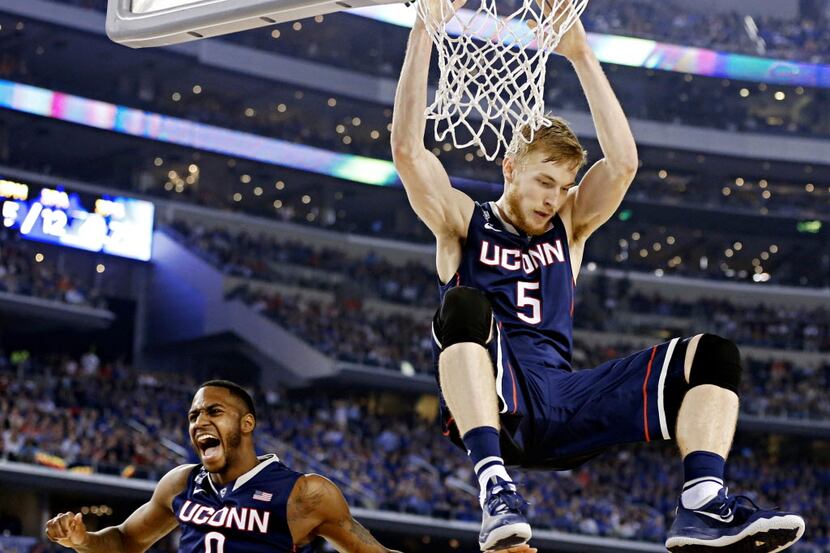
(625, 214)
(102, 115)
(650, 54)
(173, 130)
(808, 227)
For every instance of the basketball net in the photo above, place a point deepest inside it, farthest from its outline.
(493, 67)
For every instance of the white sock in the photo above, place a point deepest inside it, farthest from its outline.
(698, 493)
(486, 475)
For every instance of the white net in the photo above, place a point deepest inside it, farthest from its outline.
(492, 59)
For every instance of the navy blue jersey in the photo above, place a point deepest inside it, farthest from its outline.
(244, 516)
(529, 282)
(552, 417)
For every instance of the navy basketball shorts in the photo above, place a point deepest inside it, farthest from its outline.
(558, 419)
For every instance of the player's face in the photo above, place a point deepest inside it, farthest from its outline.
(536, 190)
(215, 427)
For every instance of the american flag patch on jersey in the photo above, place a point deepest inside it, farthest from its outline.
(263, 496)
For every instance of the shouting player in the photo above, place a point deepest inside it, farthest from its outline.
(503, 332)
(234, 502)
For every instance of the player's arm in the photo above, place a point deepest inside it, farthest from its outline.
(316, 507)
(601, 190)
(148, 524)
(445, 210)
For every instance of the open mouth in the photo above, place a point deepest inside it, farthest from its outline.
(210, 446)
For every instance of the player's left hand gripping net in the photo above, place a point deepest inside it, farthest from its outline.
(492, 59)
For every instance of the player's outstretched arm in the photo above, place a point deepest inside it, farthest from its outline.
(602, 188)
(316, 507)
(148, 524)
(443, 209)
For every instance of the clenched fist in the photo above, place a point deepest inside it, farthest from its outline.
(68, 530)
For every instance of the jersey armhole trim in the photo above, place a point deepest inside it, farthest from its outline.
(457, 274)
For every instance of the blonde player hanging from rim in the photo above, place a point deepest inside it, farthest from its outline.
(503, 332)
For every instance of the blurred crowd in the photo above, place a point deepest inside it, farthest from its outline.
(662, 96)
(264, 257)
(807, 262)
(350, 333)
(354, 279)
(768, 326)
(85, 415)
(91, 415)
(782, 388)
(305, 116)
(22, 272)
(365, 309)
(803, 38)
(348, 324)
(735, 194)
(399, 342)
(684, 248)
(711, 185)
(115, 419)
(347, 331)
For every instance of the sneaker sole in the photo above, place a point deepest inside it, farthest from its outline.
(766, 535)
(507, 536)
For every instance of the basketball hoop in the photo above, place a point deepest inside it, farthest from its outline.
(492, 61)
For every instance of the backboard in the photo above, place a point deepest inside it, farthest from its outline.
(144, 23)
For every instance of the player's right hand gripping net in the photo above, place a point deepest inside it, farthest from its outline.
(492, 61)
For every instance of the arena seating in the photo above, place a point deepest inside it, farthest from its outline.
(92, 414)
(105, 417)
(801, 39)
(265, 258)
(670, 97)
(348, 329)
(24, 271)
(619, 244)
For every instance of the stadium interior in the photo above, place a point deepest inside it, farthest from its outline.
(272, 243)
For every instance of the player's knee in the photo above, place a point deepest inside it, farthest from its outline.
(717, 361)
(465, 315)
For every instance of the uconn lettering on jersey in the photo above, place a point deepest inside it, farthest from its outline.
(540, 255)
(241, 518)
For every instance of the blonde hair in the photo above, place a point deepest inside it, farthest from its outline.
(558, 141)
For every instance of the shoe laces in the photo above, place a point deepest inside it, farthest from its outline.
(503, 497)
(730, 503)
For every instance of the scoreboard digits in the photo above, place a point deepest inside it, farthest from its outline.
(115, 225)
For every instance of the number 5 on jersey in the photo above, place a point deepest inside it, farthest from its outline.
(523, 299)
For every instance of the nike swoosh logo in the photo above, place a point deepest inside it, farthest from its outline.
(726, 519)
(488, 226)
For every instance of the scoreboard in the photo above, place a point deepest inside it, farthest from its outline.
(114, 225)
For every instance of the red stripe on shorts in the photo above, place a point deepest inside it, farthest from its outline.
(513, 380)
(449, 425)
(645, 393)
